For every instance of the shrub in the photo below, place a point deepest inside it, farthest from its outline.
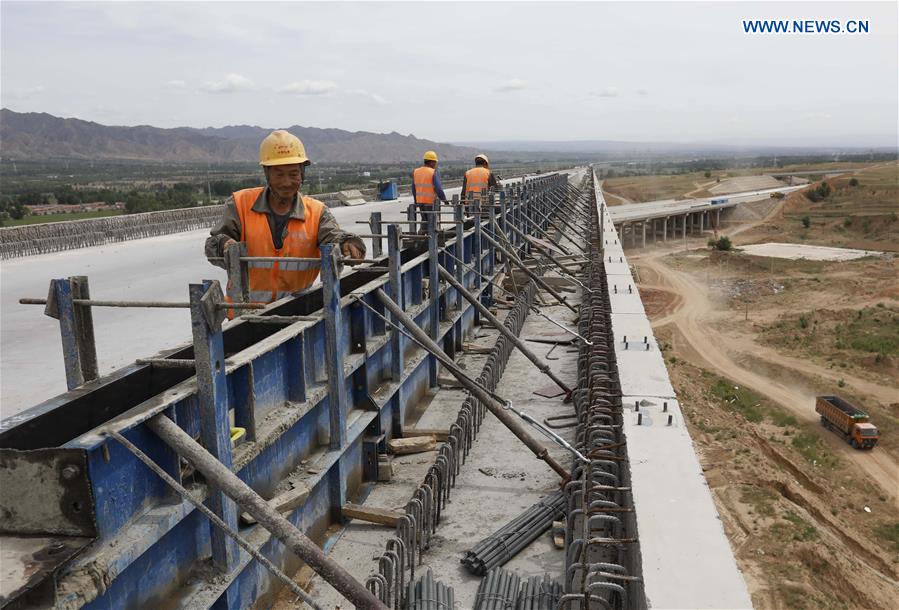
(806, 221)
(853, 182)
(803, 322)
(847, 222)
(708, 174)
(724, 244)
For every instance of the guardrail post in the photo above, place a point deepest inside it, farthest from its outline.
(459, 252)
(477, 259)
(503, 209)
(491, 251)
(433, 289)
(238, 273)
(334, 347)
(410, 216)
(376, 244)
(396, 293)
(76, 328)
(212, 395)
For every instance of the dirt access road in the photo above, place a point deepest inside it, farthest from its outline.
(693, 314)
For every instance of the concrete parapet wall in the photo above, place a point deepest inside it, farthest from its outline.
(72, 234)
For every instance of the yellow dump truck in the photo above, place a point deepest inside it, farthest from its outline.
(848, 420)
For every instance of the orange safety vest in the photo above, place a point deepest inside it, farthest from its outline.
(423, 179)
(270, 281)
(477, 179)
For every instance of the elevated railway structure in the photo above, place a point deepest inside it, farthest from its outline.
(203, 476)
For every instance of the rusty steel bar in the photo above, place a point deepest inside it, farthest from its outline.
(516, 341)
(145, 304)
(214, 519)
(267, 516)
(486, 398)
(540, 282)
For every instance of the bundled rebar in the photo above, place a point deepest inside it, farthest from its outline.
(498, 591)
(429, 594)
(539, 593)
(501, 546)
(602, 561)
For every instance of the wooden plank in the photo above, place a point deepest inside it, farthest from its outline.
(284, 502)
(440, 434)
(413, 444)
(371, 514)
(474, 348)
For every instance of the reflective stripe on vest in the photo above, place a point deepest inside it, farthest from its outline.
(423, 178)
(270, 281)
(477, 179)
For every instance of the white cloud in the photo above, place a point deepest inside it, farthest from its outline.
(23, 92)
(514, 84)
(230, 84)
(368, 94)
(608, 92)
(642, 92)
(309, 87)
(175, 84)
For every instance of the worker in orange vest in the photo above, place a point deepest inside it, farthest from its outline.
(426, 187)
(276, 220)
(478, 179)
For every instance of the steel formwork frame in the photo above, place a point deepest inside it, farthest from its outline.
(327, 390)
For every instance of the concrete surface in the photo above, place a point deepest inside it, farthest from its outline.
(686, 558)
(499, 480)
(745, 183)
(804, 251)
(31, 368)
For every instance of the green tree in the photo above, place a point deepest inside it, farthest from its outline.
(724, 244)
(708, 174)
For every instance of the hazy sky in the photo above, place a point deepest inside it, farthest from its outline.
(672, 71)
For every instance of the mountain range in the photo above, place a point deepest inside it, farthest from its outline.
(32, 135)
(35, 136)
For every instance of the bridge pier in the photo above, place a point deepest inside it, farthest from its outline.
(643, 231)
(701, 221)
(665, 229)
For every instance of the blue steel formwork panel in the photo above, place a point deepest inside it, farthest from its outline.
(277, 388)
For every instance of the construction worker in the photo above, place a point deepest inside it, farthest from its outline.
(478, 179)
(275, 220)
(426, 188)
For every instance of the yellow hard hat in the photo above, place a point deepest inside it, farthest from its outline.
(484, 157)
(430, 156)
(282, 148)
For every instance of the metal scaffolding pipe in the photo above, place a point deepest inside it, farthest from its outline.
(494, 406)
(494, 321)
(540, 282)
(266, 515)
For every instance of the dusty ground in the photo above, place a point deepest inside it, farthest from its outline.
(750, 342)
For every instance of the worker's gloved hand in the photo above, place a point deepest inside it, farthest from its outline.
(227, 245)
(352, 251)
